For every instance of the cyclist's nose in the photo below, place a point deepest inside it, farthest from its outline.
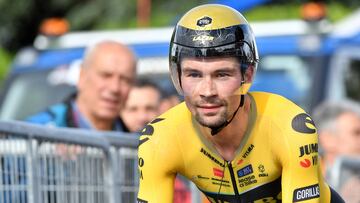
(208, 87)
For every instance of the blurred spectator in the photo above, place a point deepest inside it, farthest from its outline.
(350, 190)
(169, 99)
(106, 76)
(142, 105)
(338, 125)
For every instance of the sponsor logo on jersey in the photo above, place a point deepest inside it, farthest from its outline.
(305, 163)
(308, 149)
(141, 201)
(306, 193)
(262, 171)
(142, 141)
(218, 172)
(221, 182)
(141, 175)
(202, 177)
(202, 22)
(247, 181)
(245, 171)
(314, 160)
(240, 161)
(141, 163)
(254, 195)
(202, 150)
(199, 177)
(149, 129)
(303, 123)
(249, 149)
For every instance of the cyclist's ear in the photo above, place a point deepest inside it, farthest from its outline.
(249, 74)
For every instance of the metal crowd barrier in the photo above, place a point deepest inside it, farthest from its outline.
(42, 164)
(345, 178)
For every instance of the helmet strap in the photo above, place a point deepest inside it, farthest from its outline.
(215, 130)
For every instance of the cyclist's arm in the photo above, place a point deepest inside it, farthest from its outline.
(158, 164)
(301, 175)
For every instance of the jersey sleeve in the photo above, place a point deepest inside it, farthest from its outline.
(296, 147)
(158, 160)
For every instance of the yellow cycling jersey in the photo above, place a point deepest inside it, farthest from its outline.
(277, 160)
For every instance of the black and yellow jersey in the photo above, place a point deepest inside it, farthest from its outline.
(277, 160)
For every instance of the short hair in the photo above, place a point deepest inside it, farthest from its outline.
(144, 82)
(326, 113)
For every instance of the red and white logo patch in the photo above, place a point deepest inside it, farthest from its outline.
(218, 172)
(305, 163)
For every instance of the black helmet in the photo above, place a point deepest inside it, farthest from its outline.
(213, 30)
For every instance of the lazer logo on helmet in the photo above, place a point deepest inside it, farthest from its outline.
(203, 38)
(204, 21)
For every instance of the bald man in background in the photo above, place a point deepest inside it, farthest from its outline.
(107, 74)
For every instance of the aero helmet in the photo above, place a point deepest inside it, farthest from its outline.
(213, 30)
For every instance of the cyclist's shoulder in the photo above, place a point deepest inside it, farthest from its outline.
(266, 97)
(273, 104)
(177, 116)
(170, 123)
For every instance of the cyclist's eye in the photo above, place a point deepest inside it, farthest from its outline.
(192, 74)
(222, 74)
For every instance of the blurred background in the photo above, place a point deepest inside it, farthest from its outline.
(298, 42)
(20, 20)
(309, 50)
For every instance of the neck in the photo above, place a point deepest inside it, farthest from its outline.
(104, 126)
(228, 140)
(95, 122)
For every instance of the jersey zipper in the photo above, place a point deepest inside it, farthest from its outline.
(233, 180)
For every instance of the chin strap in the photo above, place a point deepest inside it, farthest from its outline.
(215, 130)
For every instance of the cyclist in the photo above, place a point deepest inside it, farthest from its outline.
(235, 145)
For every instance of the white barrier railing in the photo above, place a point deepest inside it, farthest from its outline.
(41, 164)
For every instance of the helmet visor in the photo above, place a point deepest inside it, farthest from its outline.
(240, 50)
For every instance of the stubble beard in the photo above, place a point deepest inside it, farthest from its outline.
(222, 118)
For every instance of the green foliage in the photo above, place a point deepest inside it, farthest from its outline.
(20, 19)
(5, 59)
(335, 12)
(273, 12)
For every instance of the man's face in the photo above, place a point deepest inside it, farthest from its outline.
(141, 107)
(348, 134)
(105, 82)
(209, 86)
